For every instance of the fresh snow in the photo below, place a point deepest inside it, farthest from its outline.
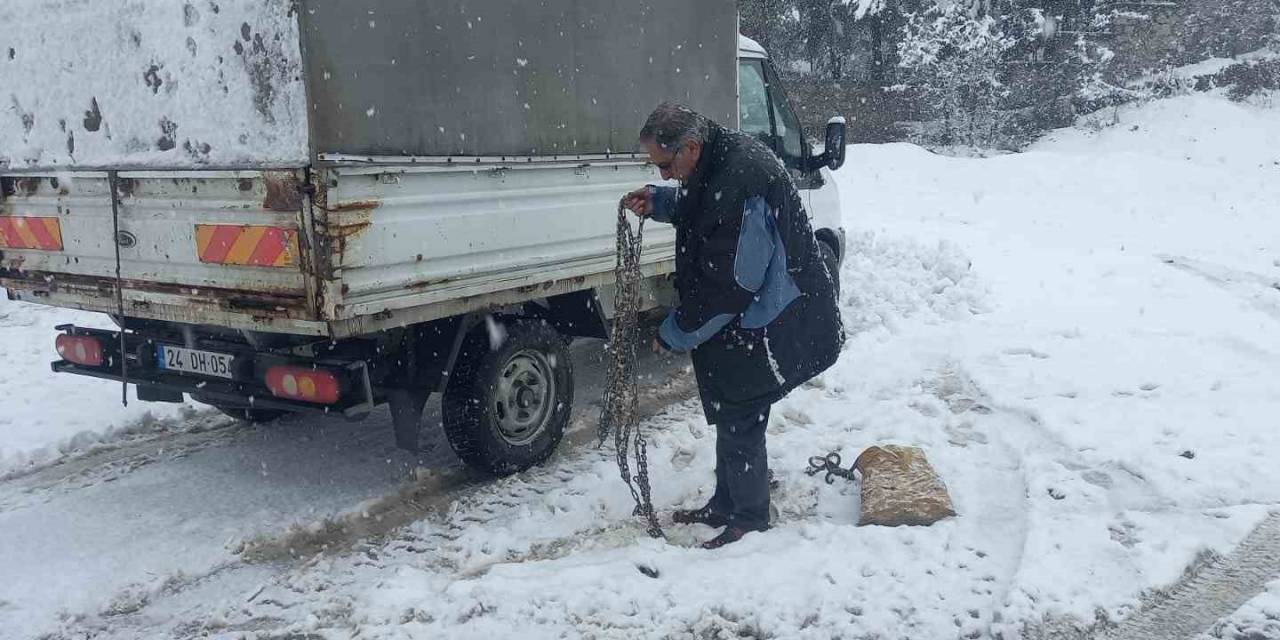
(1210, 66)
(1083, 338)
(122, 83)
(45, 416)
(1258, 619)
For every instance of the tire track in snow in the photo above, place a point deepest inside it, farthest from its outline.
(1217, 589)
(1260, 291)
(109, 461)
(1028, 444)
(962, 396)
(463, 497)
(439, 492)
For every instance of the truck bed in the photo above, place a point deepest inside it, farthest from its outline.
(341, 251)
(334, 167)
(410, 244)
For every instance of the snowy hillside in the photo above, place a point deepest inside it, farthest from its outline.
(1083, 338)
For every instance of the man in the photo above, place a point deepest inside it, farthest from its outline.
(757, 305)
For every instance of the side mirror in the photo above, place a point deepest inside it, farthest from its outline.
(833, 155)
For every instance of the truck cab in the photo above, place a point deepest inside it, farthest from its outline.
(765, 111)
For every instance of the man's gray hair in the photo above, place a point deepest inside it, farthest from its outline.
(671, 125)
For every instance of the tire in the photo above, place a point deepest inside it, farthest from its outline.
(832, 260)
(506, 408)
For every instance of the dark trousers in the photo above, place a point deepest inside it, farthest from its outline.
(742, 469)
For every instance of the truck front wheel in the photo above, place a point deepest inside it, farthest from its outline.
(509, 396)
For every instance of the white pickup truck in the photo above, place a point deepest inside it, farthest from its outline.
(325, 205)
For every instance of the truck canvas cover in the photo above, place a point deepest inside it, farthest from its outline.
(150, 84)
(174, 84)
(553, 77)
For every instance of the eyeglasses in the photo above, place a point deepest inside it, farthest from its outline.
(666, 166)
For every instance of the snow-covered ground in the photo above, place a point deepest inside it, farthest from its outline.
(1084, 339)
(1258, 619)
(1208, 67)
(43, 416)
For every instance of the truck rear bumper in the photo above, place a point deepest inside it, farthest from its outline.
(357, 400)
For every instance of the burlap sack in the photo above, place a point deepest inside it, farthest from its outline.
(900, 487)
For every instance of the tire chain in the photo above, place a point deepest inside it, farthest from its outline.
(620, 413)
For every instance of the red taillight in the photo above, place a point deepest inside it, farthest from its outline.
(300, 383)
(81, 350)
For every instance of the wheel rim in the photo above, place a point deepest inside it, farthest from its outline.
(525, 397)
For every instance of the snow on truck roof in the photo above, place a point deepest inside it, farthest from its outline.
(749, 48)
(123, 83)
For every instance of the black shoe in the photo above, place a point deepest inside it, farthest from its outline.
(728, 536)
(699, 516)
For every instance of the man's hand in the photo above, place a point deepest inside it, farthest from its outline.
(639, 202)
(659, 348)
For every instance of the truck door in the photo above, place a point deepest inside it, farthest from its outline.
(764, 112)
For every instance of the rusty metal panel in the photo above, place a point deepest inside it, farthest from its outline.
(657, 290)
(404, 238)
(229, 309)
(553, 77)
(157, 84)
(161, 267)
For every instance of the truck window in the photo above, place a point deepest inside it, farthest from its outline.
(753, 102)
(789, 133)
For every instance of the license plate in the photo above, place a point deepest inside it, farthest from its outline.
(204, 363)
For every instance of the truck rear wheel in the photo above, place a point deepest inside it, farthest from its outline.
(506, 406)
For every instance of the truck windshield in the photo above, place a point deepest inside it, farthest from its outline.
(753, 102)
(764, 113)
(789, 134)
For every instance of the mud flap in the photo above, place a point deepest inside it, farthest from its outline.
(406, 416)
(424, 373)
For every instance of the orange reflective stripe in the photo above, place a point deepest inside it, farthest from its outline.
(288, 255)
(269, 249)
(39, 231)
(204, 235)
(28, 237)
(6, 232)
(224, 238)
(20, 232)
(246, 245)
(54, 227)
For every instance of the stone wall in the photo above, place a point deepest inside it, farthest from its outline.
(872, 112)
(1152, 35)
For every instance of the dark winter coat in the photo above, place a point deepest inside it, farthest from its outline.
(757, 303)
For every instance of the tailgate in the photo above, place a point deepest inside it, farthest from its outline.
(214, 247)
